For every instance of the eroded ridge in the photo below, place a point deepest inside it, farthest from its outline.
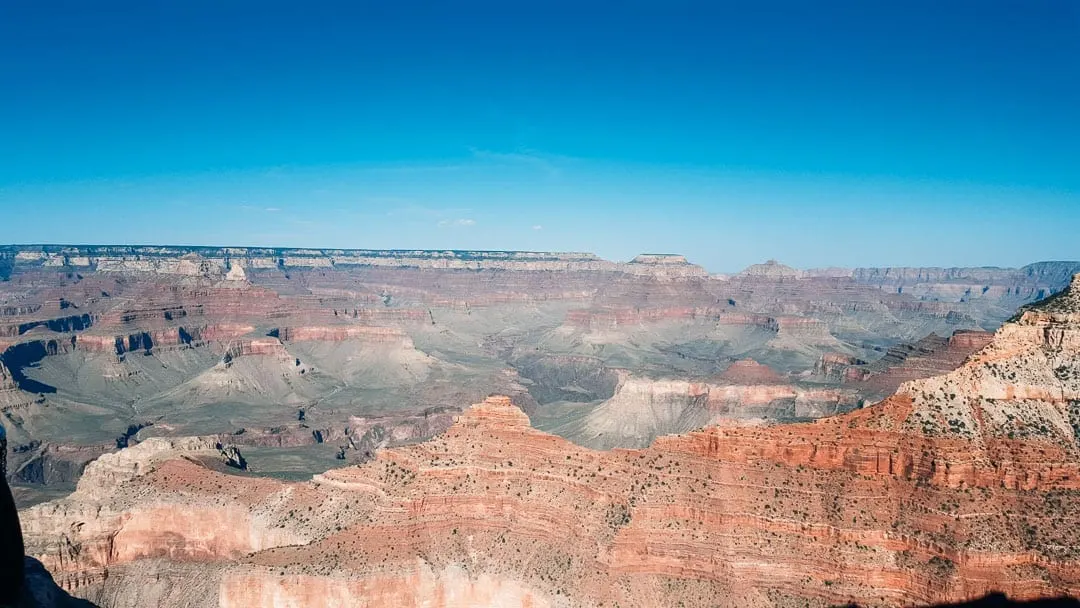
(955, 486)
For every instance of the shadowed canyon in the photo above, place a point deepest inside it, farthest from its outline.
(286, 427)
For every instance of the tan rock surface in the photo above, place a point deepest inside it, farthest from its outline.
(889, 505)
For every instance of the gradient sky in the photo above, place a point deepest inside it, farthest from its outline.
(817, 133)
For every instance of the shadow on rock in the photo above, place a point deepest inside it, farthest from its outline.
(41, 591)
(24, 582)
(11, 542)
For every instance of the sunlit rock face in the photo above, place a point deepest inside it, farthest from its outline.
(101, 347)
(957, 485)
(342, 380)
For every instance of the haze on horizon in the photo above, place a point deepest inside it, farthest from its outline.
(841, 134)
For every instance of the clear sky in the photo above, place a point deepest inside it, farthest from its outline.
(818, 133)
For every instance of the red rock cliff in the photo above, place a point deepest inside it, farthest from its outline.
(957, 485)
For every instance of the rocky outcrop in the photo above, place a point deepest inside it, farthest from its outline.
(236, 273)
(416, 585)
(750, 372)
(231, 456)
(339, 333)
(945, 491)
(189, 265)
(642, 409)
(146, 341)
(267, 347)
(367, 435)
(838, 367)
(573, 378)
(63, 324)
(230, 263)
(47, 463)
(20, 355)
(772, 270)
(664, 265)
(930, 356)
(719, 514)
(1010, 286)
(381, 349)
(612, 318)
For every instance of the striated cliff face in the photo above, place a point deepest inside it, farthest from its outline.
(1007, 285)
(320, 347)
(117, 529)
(808, 329)
(930, 356)
(771, 269)
(958, 485)
(340, 333)
(452, 587)
(668, 266)
(642, 409)
(146, 341)
(748, 371)
(493, 513)
(229, 263)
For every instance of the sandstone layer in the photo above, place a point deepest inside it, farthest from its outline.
(314, 356)
(957, 485)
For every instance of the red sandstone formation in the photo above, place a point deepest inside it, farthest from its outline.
(957, 485)
(748, 371)
(243, 342)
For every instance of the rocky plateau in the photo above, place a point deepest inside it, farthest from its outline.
(310, 356)
(958, 484)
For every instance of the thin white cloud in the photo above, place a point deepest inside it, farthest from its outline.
(417, 169)
(255, 208)
(537, 227)
(548, 163)
(415, 211)
(458, 223)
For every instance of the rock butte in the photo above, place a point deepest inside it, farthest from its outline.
(956, 485)
(104, 346)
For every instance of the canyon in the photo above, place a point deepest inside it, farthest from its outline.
(307, 357)
(960, 483)
(266, 368)
(692, 305)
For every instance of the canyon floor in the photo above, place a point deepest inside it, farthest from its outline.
(641, 433)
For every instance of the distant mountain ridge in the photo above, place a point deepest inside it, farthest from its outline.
(91, 256)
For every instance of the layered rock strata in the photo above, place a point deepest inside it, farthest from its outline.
(930, 356)
(230, 263)
(957, 485)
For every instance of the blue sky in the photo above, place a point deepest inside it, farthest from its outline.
(818, 133)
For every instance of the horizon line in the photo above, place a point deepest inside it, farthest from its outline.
(45, 246)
